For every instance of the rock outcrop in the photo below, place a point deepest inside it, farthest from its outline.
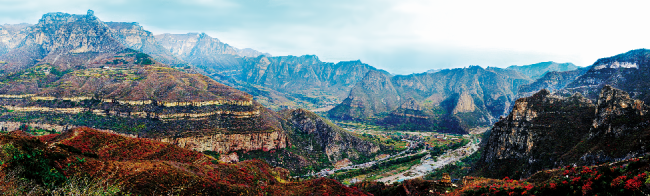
(547, 131)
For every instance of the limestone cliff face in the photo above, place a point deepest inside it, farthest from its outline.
(465, 103)
(546, 130)
(337, 143)
(209, 55)
(620, 130)
(186, 45)
(225, 143)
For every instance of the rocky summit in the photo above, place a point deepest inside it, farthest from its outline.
(449, 100)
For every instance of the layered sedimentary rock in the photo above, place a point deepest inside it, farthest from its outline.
(74, 70)
(225, 143)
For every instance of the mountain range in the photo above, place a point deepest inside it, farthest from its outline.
(75, 70)
(449, 100)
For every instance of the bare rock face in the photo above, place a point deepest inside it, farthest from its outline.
(225, 143)
(465, 104)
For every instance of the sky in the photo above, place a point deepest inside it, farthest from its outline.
(400, 36)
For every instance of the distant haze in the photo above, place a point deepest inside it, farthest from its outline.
(401, 36)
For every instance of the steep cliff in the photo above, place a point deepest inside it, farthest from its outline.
(628, 71)
(538, 131)
(453, 100)
(538, 70)
(81, 75)
(546, 131)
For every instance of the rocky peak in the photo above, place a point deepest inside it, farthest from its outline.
(614, 104)
(72, 33)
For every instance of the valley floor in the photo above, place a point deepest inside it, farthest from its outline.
(429, 164)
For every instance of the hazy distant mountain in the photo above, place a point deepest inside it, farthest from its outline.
(537, 70)
(552, 81)
(449, 100)
(132, 35)
(277, 82)
(11, 35)
(206, 53)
